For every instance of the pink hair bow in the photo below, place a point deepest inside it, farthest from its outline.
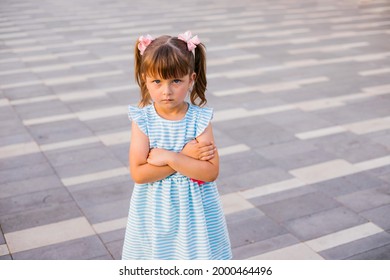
(144, 41)
(191, 42)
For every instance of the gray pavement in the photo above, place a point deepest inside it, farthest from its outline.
(301, 93)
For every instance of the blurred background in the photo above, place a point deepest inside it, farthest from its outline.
(301, 93)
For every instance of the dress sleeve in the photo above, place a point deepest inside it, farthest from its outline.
(204, 118)
(139, 117)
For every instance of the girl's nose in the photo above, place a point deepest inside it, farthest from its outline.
(167, 90)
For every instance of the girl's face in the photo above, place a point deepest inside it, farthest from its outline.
(169, 94)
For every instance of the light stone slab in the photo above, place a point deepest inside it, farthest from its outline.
(320, 132)
(111, 225)
(295, 252)
(272, 188)
(375, 72)
(18, 150)
(91, 177)
(234, 202)
(49, 234)
(324, 171)
(369, 126)
(233, 149)
(68, 144)
(342, 237)
(4, 250)
(373, 163)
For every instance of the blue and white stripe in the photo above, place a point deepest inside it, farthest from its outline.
(175, 218)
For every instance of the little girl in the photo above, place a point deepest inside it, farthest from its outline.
(175, 210)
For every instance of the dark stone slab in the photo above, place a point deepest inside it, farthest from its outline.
(323, 223)
(301, 206)
(79, 249)
(252, 230)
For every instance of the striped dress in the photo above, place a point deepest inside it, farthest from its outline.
(175, 218)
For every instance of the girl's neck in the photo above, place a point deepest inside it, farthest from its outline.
(173, 114)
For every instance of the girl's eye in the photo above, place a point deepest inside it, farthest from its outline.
(156, 81)
(176, 81)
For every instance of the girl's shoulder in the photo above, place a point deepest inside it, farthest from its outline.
(202, 117)
(140, 116)
(136, 112)
(202, 112)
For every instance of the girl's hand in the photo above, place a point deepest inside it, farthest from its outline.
(200, 151)
(158, 157)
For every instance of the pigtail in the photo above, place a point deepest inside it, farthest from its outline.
(200, 83)
(145, 97)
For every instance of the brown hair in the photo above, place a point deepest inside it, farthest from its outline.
(168, 58)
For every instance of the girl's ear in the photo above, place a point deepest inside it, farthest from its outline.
(192, 79)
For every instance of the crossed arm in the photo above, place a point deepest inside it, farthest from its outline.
(198, 159)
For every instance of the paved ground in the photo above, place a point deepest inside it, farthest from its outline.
(301, 92)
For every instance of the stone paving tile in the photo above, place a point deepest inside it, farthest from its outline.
(271, 134)
(60, 158)
(379, 216)
(26, 92)
(380, 253)
(41, 109)
(322, 223)
(378, 135)
(286, 149)
(39, 216)
(281, 196)
(72, 87)
(356, 247)
(243, 214)
(80, 105)
(25, 172)
(367, 199)
(111, 236)
(10, 126)
(30, 185)
(86, 168)
(120, 151)
(104, 212)
(297, 121)
(243, 162)
(272, 244)
(115, 249)
(6, 257)
(294, 252)
(107, 123)
(65, 131)
(78, 249)
(101, 195)
(350, 147)
(294, 208)
(25, 202)
(2, 240)
(124, 179)
(23, 160)
(253, 229)
(301, 160)
(258, 177)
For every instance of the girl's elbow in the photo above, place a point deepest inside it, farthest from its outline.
(212, 175)
(137, 178)
(140, 179)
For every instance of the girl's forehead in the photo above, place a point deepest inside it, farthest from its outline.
(158, 77)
